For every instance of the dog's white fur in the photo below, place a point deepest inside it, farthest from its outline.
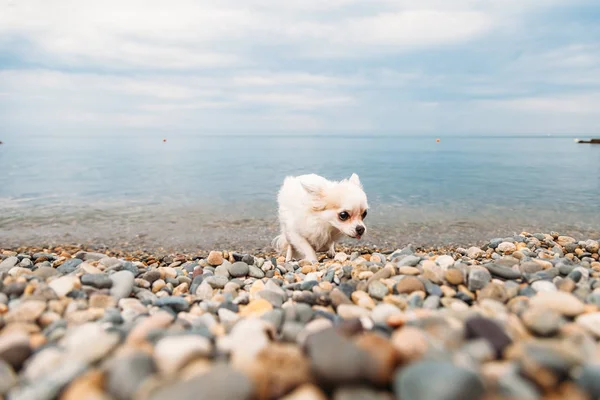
(309, 214)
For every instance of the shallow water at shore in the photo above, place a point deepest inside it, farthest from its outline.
(189, 228)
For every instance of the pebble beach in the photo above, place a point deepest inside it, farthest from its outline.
(516, 318)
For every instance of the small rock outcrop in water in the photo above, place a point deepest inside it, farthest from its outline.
(518, 318)
(591, 141)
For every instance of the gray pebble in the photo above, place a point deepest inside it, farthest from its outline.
(99, 281)
(239, 269)
(502, 271)
(220, 382)
(127, 373)
(408, 261)
(378, 290)
(276, 299)
(7, 264)
(478, 279)
(216, 282)
(255, 272)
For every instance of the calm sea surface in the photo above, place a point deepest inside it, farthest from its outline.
(220, 191)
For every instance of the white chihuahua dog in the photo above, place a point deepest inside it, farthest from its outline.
(315, 213)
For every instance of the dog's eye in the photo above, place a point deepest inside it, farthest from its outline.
(364, 214)
(344, 215)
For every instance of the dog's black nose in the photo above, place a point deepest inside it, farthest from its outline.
(360, 229)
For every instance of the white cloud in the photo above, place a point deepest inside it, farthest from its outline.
(302, 101)
(266, 65)
(587, 103)
(183, 34)
(411, 28)
(285, 79)
(165, 101)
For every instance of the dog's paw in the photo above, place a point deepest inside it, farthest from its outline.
(331, 254)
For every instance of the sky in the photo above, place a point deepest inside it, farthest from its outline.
(475, 67)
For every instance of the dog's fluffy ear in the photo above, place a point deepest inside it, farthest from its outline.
(312, 189)
(355, 180)
(317, 194)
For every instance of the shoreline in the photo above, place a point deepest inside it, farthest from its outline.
(250, 227)
(255, 235)
(261, 244)
(518, 317)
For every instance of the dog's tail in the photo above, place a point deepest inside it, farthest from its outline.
(280, 243)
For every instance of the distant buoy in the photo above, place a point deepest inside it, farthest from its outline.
(437, 140)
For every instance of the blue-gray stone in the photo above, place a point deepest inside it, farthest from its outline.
(593, 298)
(408, 261)
(347, 288)
(292, 286)
(195, 283)
(229, 305)
(527, 291)
(129, 266)
(308, 285)
(178, 304)
(432, 288)
(415, 301)
(69, 266)
(547, 274)
(329, 275)
(575, 275)
(565, 266)
(276, 299)
(589, 380)
(495, 242)
(113, 316)
(440, 380)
